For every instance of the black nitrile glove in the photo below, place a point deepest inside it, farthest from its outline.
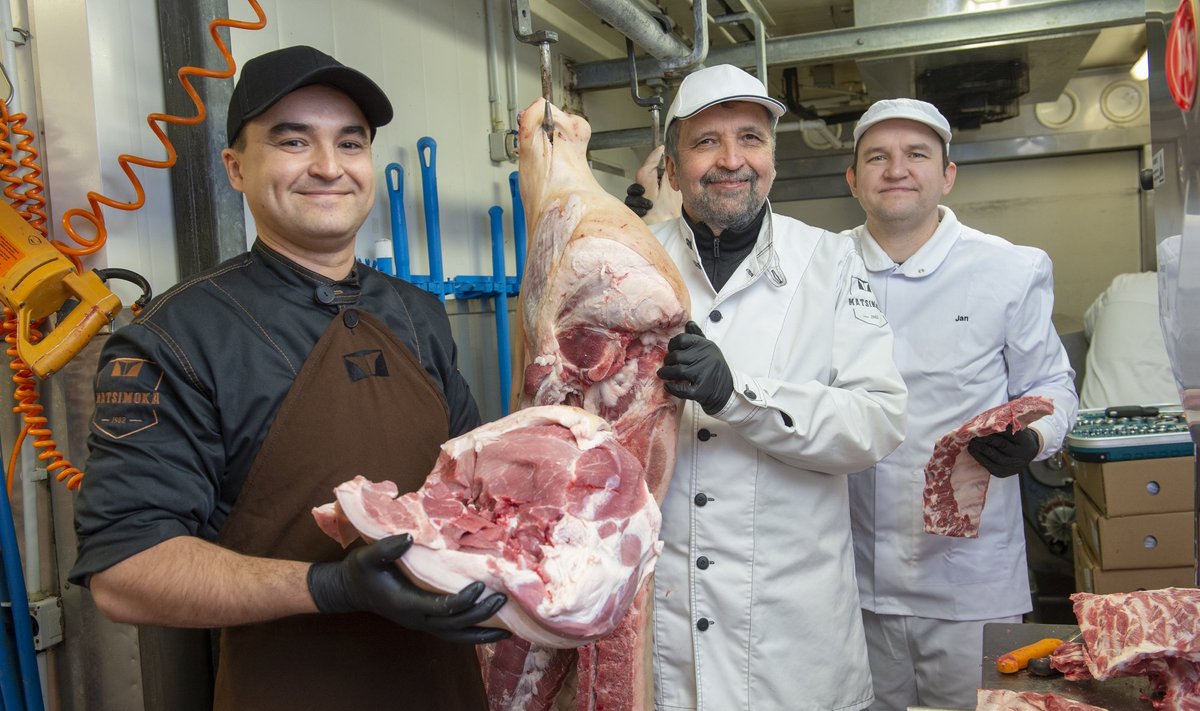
(368, 580)
(635, 200)
(694, 369)
(1005, 453)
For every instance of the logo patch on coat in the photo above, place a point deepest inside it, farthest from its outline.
(127, 397)
(365, 364)
(863, 304)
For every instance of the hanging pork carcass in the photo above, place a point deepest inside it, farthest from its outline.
(600, 299)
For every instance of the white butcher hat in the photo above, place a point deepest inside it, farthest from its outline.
(911, 109)
(714, 85)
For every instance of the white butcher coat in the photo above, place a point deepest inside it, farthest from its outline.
(971, 314)
(754, 596)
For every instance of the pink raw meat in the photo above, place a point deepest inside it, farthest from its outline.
(600, 299)
(1150, 633)
(544, 505)
(956, 484)
(1006, 700)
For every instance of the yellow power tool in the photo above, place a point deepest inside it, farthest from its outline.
(35, 281)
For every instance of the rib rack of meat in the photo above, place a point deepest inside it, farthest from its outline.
(1151, 633)
(955, 484)
(600, 298)
(544, 505)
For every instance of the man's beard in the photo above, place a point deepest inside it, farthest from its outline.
(727, 212)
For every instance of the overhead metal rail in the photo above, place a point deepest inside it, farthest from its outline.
(933, 34)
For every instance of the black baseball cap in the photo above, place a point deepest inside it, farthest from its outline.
(269, 77)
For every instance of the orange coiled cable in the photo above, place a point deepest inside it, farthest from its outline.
(36, 423)
(95, 216)
(30, 203)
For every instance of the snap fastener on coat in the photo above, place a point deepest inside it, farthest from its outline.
(704, 435)
(702, 624)
(350, 318)
(702, 562)
(324, 294)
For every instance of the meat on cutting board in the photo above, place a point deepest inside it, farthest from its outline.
(544, 505)
(1122, 628)
(599, 301)
(955, 484)
(1008, 700)
(1150, 633)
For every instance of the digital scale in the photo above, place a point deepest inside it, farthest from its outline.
(1119, 433)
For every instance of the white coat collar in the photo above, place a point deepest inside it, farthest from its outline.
(926, 260)
(763, 257)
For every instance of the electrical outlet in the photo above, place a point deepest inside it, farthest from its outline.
(47, 615)
(502, 146)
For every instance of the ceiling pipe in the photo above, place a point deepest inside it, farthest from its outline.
(699, 41)
(932, 34)
(628, 18)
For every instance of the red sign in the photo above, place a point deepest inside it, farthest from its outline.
(1181, 55)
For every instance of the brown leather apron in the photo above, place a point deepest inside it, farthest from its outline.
(362, 404)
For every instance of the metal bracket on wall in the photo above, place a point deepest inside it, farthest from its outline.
(523, 29)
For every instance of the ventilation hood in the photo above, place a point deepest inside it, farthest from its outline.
(969, 81)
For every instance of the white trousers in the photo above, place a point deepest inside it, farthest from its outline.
(919, 661)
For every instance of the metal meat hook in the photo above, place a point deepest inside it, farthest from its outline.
(523, 29)
(654, 103)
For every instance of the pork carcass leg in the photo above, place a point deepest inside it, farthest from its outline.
(600, 299)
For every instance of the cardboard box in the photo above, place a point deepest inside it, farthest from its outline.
(1090, 577)
(1162, 540)
(1139, 486)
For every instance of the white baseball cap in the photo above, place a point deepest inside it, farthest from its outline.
(714, 85)
(911, 109)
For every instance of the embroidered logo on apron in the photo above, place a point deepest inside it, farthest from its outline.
(365, 364)
(862, 302)
(127, 397)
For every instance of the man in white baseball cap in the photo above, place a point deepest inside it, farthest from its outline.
(788, 383)
(971, 316)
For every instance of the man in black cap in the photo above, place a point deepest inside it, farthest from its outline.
(237, 400)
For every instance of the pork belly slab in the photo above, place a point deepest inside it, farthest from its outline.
(544, 505)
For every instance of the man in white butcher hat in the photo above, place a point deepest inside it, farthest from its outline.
(971, 316)
(790, 386)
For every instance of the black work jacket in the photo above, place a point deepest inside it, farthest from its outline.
(186, 393)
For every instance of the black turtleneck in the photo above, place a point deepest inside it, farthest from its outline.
(721, 255)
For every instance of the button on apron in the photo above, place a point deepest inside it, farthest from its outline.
(702, 562)
(704, 435)
(324, 294)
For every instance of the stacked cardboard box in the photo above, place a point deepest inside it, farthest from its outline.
(1134, 524)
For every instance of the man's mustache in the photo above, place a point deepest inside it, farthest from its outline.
(728, 176)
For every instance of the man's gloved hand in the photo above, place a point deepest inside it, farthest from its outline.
(1005, 453)
(635, 199)
(368, 580)
(694, 369)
